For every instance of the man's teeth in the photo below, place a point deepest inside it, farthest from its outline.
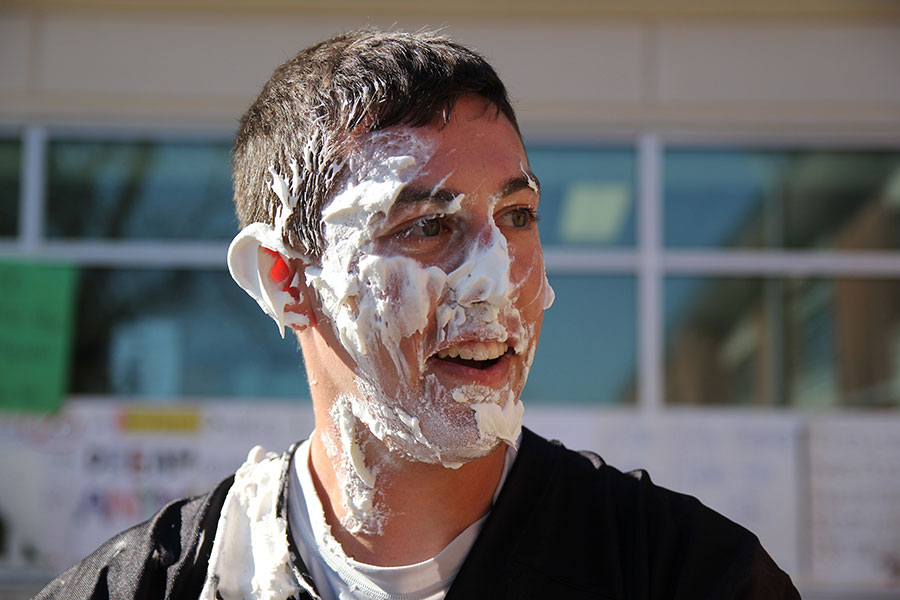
(476, 351)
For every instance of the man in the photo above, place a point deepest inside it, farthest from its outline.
(389, 220)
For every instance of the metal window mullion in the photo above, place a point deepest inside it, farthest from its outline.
(152, 254)
(127, 254)
(32, 189)
(559, 259)
(730, 262)
(784, 263)
(650, 334)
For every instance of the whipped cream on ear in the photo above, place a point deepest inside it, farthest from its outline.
(250, 264)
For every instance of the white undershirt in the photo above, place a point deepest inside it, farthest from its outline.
(339, 577)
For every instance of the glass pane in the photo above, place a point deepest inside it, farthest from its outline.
(139, 190)
(10, 161)
(588, 196)
(782, 199)
(587, 350)
(804, 342)
(168, 333)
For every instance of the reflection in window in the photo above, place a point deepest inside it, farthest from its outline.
(164, 334)
(139, 189)
(587, 350)
(10, 161)
(160, 334)
(804, 342)
(779, 199)
(587, 195)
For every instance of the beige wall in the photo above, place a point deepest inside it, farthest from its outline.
(596, 71)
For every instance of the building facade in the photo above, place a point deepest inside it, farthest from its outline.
(721, 224)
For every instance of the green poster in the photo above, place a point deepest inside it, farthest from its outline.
(36, 307)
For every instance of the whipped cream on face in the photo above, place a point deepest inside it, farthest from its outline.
(503, 422)
(351, 284)
(356, 477)
(496, 419)
(392, 314)
(378, 303)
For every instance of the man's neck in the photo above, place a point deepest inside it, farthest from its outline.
(421, 507)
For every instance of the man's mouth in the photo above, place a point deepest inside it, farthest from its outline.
(476, 355)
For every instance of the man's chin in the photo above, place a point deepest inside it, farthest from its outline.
(449, 453)
(434, 424)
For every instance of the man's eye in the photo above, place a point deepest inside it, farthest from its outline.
(426, 227)
(430, 227)
(520, 217)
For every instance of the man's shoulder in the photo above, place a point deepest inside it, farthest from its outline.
(163, 557)
(570, 521)
(584, 480)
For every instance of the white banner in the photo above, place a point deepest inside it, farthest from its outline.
(73, 481)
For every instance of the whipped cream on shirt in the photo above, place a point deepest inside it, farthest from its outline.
(340, 577)
(250, 557)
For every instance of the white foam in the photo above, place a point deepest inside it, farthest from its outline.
(250, 556)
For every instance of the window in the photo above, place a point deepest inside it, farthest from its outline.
(809, 342)
(769, 278)
(587, 195)
(587, 351)
(782, 199)
(10, 165)
(139, 189)
(163, 334)
(805, 326)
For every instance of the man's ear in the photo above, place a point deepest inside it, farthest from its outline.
(274, 277)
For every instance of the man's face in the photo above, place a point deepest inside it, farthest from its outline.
(433, 280)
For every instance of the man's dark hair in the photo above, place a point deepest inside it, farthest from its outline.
(359, 82)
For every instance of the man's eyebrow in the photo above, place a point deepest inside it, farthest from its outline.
(411, 193)
(524, 181)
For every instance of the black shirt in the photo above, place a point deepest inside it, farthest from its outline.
(565, 526)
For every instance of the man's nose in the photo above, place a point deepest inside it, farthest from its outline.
(484, 276)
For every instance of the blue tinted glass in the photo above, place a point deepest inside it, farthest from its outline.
(587, 348)
(781, 199)
(713, 349)
(797, 341)
(139, 189)
(169, 333)
(10, 151)
(587, 195)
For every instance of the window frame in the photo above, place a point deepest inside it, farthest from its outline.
(650, 262)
